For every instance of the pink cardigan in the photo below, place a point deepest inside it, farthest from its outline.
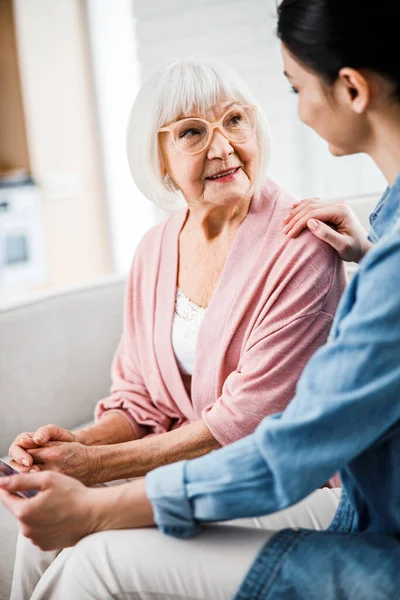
(273, 307)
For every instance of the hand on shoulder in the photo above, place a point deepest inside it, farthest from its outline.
(334, 223)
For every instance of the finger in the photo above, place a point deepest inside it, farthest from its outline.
(26, 482)
(327, 214)
(52, 432)
(40, 455)
(46, 458)
(25, 440)
(298, 222)
(303, 207)
(18, 450)
(302, 204)
(21, 468)
(45, 434)
(327, 234)
(299, 207)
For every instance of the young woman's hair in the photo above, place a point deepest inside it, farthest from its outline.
(169, 93)
(327, 35)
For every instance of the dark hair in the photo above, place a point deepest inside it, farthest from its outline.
(327, 35)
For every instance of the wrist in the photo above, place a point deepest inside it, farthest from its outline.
(118, 461)
(123, 506)
(81, 437)
(95, 470)
(111, 428)
(366, 246)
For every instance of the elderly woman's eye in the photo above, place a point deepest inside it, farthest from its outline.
(185, 133)
(235, 119)
(294, 90)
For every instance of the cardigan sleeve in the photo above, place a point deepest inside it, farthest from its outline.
(266, 377)
(129, 395)
(278, 348)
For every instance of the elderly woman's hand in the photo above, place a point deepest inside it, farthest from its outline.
(335, 223)
(64, 510)
(19, 449)
(69, 458)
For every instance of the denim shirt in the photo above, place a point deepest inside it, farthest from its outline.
(344, 417)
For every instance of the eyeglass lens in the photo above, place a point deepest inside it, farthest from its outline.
(192, 135)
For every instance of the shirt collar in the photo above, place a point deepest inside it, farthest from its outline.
(386, 215)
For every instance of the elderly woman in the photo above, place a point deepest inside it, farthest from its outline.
(222, 310)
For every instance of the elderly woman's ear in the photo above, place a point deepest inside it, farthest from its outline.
(166, 176)
(163, 170)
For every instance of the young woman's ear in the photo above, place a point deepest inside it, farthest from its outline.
(357, 88)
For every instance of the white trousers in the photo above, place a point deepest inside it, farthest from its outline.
(144, 564)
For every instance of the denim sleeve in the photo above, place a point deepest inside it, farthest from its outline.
(346, 399)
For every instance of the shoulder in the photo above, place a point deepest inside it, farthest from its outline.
(306, 249)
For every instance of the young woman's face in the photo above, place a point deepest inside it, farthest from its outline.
(193, 174)
(327, 109)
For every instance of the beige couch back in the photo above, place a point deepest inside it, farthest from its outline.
(55, 356)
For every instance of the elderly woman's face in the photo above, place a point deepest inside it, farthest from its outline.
(195, 174)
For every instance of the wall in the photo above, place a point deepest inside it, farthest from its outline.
(60, 117)
(13, 149)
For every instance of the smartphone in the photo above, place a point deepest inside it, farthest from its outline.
(5, 470)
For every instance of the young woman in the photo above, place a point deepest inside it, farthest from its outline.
(345, 414)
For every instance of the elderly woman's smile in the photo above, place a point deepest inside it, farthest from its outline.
(225, 175)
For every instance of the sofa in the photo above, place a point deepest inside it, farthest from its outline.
(55, 356)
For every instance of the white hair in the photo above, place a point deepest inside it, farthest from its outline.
(170, 92)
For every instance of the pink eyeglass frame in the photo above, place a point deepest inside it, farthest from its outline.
(211, 127)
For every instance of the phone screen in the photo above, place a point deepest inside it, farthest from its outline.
(5, 470)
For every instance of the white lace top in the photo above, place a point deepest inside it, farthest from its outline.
(185, 329)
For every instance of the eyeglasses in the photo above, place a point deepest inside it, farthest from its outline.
(192, 135)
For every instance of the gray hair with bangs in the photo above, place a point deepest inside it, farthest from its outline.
(170, 92)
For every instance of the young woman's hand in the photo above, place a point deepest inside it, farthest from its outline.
(64, 510)
(22, 459)
(58, 516)
(335, 223)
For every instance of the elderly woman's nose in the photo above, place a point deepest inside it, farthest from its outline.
(219, 146)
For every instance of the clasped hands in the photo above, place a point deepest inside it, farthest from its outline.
(53, 448)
